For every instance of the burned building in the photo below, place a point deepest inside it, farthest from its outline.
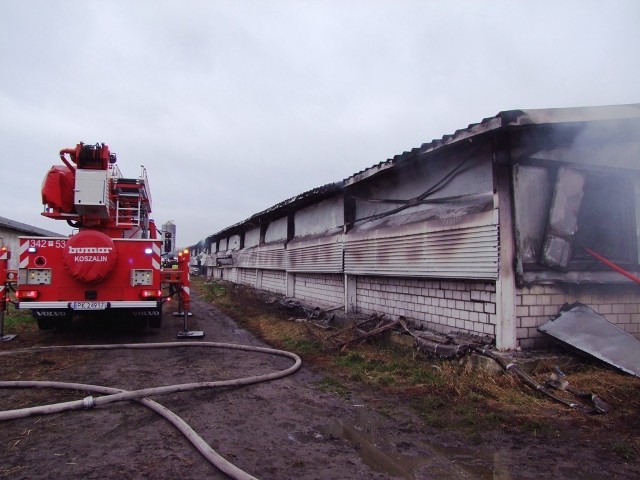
(489, 230)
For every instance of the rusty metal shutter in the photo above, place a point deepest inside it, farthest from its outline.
(470, 252)
(246, 258)
(322, 256)
(271, 257)
(265, 257)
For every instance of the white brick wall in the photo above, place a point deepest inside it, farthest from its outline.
(231, 274)
(324, 290)
(535, 305)
(442, 306)
(247, 276)
(274, 281)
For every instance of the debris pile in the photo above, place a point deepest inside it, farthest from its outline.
(373, 326)
(452, 345)
(360, 328)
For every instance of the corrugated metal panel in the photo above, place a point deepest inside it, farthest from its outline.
(246, 258)
(267, 257)
(582, 328)
(271, 257)
(461, 253)
(323, 258)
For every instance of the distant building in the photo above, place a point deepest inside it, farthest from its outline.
(10, 230)
(486, 231)
(198, 257)
(169, 234)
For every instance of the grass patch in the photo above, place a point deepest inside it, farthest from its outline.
(211, 291)
(537, 427)
(17, 321)
(624, 450)
(332, 385)
(302, 346)
(386, 367)
(248, 308)
(430, 408)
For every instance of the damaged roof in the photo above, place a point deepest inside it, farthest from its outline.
(503, 120)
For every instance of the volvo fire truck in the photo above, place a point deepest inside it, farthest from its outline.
(111, 264)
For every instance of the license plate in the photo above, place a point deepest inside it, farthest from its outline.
(88, 305)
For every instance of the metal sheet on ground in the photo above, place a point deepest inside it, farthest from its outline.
(585, 330)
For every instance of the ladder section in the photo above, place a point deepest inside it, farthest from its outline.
(132, 201)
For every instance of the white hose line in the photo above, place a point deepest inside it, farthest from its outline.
(146, 392)
(213, 457)
(116, 395)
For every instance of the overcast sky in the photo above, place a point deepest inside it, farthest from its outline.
(234, 106)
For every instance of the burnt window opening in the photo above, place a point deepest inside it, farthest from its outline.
(560, 209)
(607, 220)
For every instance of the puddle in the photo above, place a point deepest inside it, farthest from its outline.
(375, 457)
(447, 462)
(476, 464)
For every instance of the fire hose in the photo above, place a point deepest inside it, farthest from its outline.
(611, 265)
(111, 395)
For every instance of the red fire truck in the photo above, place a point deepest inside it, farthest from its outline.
(112, 262)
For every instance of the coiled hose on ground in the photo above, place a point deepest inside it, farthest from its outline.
(111, 395)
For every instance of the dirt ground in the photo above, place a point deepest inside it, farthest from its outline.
(290, 428)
